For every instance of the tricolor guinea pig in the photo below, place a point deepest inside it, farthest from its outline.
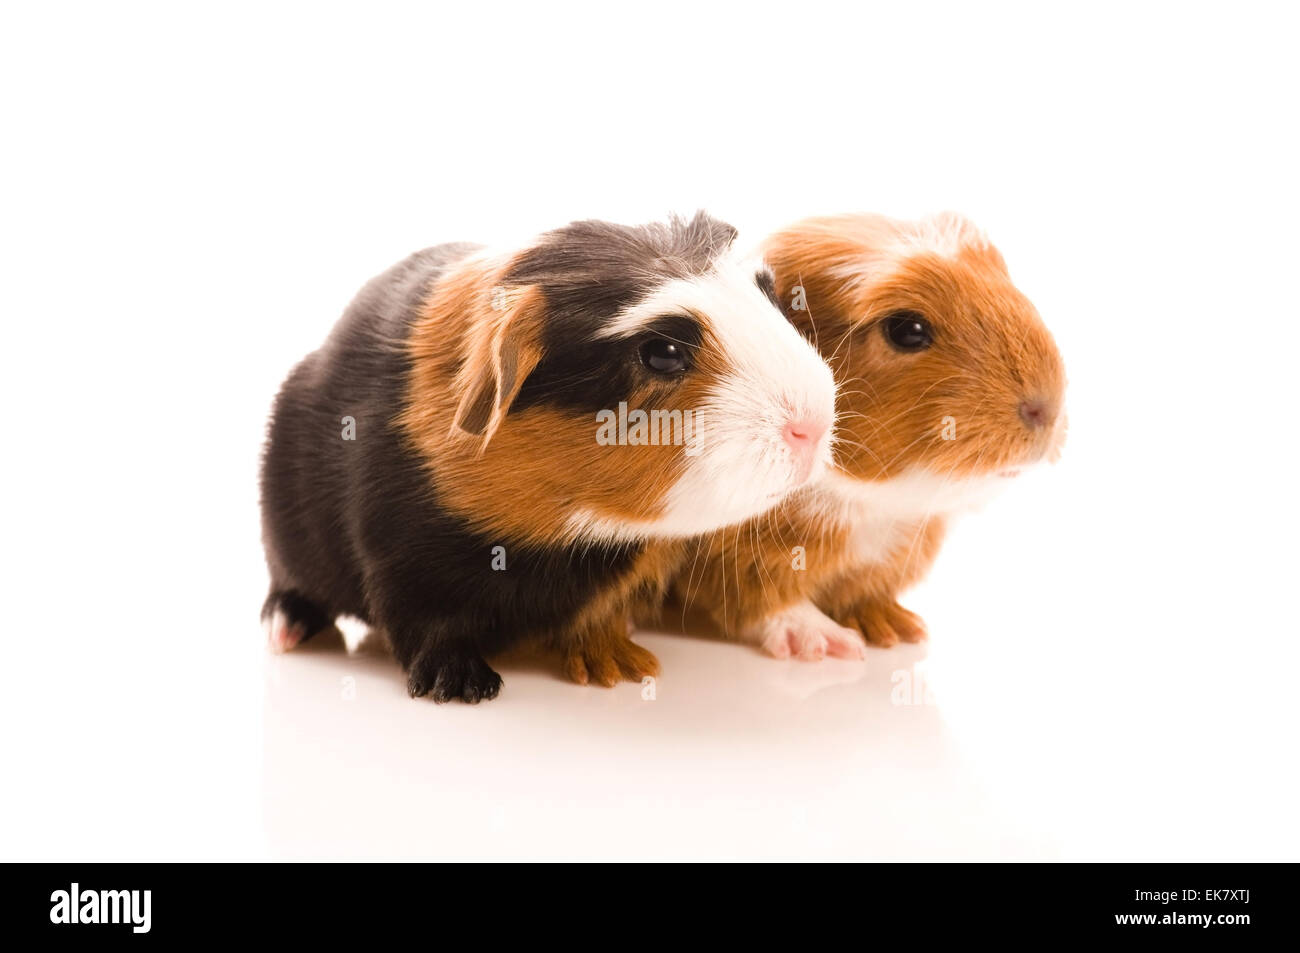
(492, 447)
(949, 386)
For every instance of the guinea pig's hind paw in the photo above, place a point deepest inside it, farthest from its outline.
(804, 632)
(290, 618)
(281, 634)
(453, 678)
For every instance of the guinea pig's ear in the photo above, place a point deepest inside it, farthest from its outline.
(502, 348)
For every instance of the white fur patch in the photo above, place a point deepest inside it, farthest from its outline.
(945, 235)
(353, 630)
(743, 466)
(882, 515)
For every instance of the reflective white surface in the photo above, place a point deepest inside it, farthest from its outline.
(728, 754)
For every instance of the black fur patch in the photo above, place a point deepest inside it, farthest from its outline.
(767, 284)
(589, 272)
(592, 375)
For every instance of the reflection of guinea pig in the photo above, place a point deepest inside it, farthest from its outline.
(475, 504)
(949, 386)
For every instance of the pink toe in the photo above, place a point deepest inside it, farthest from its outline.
(840, 650)
(778, 647)
(284, 637)
(850, 647)
(813, 652)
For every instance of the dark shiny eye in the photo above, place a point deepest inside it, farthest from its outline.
(663, 356)
(907, 331)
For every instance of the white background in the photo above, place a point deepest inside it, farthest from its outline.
(190, 196)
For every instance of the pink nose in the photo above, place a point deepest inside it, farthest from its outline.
(803, 435)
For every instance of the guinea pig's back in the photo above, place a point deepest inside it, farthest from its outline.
(335, 408)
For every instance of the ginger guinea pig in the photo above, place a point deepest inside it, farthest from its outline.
(949, 385)
(445, 467)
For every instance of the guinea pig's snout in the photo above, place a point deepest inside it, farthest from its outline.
(1037, 413)
(805, 435)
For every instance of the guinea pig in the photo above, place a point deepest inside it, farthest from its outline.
(949, 386)
(492, 447)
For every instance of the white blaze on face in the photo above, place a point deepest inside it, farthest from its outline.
(743, 462)
(887, 243)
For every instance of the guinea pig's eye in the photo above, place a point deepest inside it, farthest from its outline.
(907, 331)
(663, 356)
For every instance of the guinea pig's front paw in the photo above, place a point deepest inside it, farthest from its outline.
(886, 623)
(447, 678)
(805, 632)
(609, 660)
